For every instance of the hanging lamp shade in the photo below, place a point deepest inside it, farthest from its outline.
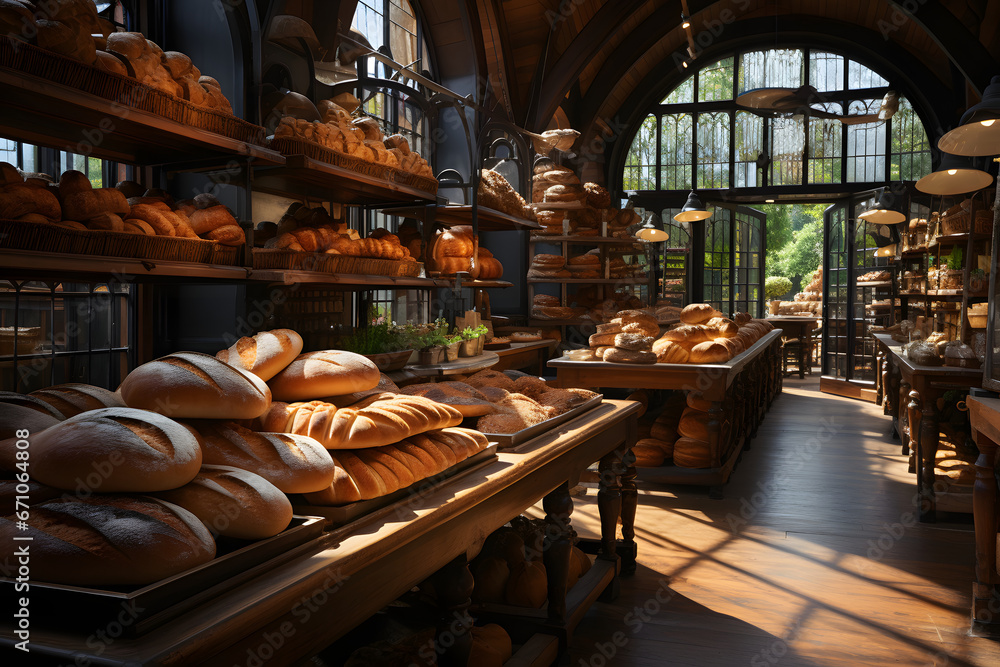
(693, 210)
(955, 176)
(978, 132)
(884, 212)
(886, 251)
(652, 230)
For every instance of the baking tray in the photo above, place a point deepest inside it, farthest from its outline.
(512, 440)
(342, 514)
(59, 606)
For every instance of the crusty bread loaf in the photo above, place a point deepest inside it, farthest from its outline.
(693, 424)
(115, 449)
(648, 453)
(109, 540)
(689, 334)
(380, 419)
(293, 463)
(463, 397)
(369, 473)
(709, 353)
(205, 220)
(233, 502)
(265, 354)
(326, 373)
(724, 327)
(195, 386)
(671, 352)
(73, 398)
(25, 412)
(20, 199)
(696, 313)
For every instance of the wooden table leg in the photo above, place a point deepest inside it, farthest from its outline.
(985, 513)
(926, 449)
(912, 430)
(558, 506)
(609, 504)
(630, 501)
(715, 444)
(453, 586)
(904, 433)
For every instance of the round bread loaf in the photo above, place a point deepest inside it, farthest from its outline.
(73, 398)
(691, 453)
(195, 386)
(113, 540)
(648, 453)
(266, 354)
(610, 328)
(694, 424)
(115, 449)
(562, 193)
(633, 341)
(234, 503)
(292, 463)
(629, 356)
(696, 402)
(696, 313)
(561, 177)
(325, 373)
(20, 412)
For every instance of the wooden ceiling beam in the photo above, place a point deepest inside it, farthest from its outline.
(497, 45)
(564, 74)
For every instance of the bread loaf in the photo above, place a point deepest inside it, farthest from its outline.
(115, 449)
(20, 199)
(292, 463)
(694, 424)
(689, 334)
(326, 373)
(691, 453)
(19, 412)
(464, 398)
(364, 474)
(113, 540)
(195, 386)
(73, 398)
(265, 354)
(233, 502)
(696, 313)
(671, 352)
(380, 419)
(709, 353)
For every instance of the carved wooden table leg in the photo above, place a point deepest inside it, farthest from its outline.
(892, 397)
(912, 430)
(715, 444)
(453, 640)
(558, 506)
(630, 501)
(926, 449)
(609, 504)
(880, 376)
(904, 432)
(985, 513)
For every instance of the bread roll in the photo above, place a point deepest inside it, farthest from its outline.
(293, 463)
(326, 373)
(671, 352)
(195, 386)
(697, 313)
(114, 540)
(73, 398)
(724, 327)
(265, 354)
(234, 503)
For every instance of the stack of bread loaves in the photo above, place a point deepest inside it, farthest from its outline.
(456, 249)
(548, 307)
(627, 338)
(544, 265)
(658, 432)
(496, 193)
(587, 265)
(706, 337)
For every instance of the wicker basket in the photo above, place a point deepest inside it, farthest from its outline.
(27, 339)
(957, 223)
(22, 235)
(951, 279)
(271, 258)
(984, 222)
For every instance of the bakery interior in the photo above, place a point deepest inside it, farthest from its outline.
(499, 332)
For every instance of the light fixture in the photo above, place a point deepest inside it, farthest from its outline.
(884, 212)
(652, 230)
(684, 64)
(685, 22)
(978, 133)
(693, 210)
(887, 251)
(954, 176)
(768, 201)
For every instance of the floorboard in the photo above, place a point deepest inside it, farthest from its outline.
(810, 560)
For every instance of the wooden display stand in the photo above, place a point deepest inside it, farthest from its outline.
(740, 392)
(985, 416)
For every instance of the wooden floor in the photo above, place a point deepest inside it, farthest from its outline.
(812, 558)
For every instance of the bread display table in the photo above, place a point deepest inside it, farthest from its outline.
(521, 356)
(985, 416)
(740, 391)
(302, 605)
(800, 328)
(915, 413)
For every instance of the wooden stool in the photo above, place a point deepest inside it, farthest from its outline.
(795, 349)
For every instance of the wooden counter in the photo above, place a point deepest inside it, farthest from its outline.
(984, 414)
(915, 414)
(354, 571)
(526, 356)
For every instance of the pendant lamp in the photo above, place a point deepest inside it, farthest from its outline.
(652, 230)
(884, 211)
(693, 210)
(979, 130)
(955, 176)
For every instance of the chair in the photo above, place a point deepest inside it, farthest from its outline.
(792, 350)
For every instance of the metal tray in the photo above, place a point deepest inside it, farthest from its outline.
(343, 514)
(511, 440)
(138, 610)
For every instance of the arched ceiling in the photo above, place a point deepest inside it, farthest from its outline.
(594, 62)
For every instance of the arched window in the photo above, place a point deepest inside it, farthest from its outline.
(707, 141)
(392, 24)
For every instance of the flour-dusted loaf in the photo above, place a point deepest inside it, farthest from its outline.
(109, 540)
(380, 419)
(326, 373)
(115, 449)
(293, 463)
(233, 502)
(464, 398)
(19, 412)
(192, 385)
(370, 473)
(73, 398)
(266, 354)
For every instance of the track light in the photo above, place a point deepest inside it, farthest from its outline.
(685, 23)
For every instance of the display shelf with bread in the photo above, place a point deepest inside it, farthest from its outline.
(488, 219)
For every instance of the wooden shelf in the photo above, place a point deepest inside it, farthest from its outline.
(360, 281)
(459, 366)
(301, 176)
(477, 284)
(489, 220)
(44, 113)
(952, 239)
(589, 281)
(542, 322)
(583, 240)
(878, 283)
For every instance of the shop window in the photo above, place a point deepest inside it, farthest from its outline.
(825, 136)
(749, 140)
(826, 71)
(717, 275)
(682, 94)
(676, 155)
(640, 169)
(859, 76)
(713, 150)
(787, 142)
(775, 68)
(393, 24)
(910, 154)
(715, 82)
(865, 145)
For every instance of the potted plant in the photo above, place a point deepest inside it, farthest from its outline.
(473, 340)
(433, 342)
(951, 278)
(382, 342)
(774, 287)
(454, 347)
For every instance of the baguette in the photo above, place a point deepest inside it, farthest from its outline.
(73, 398)
(265, 354)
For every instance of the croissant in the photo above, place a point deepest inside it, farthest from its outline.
(380, 419)
(364, 474)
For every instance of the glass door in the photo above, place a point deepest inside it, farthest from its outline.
(836, 293)
(733, 276)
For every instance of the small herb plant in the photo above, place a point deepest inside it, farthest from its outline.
(955, 262)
